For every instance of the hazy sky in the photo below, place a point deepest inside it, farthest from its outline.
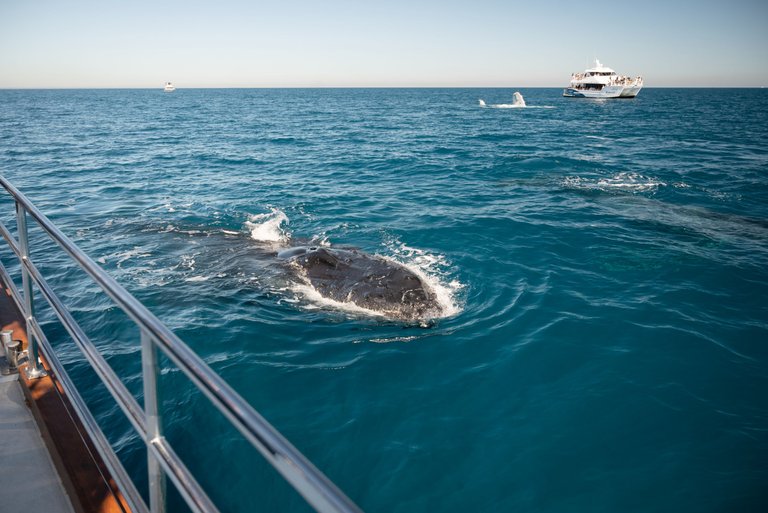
(232, 43)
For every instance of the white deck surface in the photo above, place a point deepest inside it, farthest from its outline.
(28, 480)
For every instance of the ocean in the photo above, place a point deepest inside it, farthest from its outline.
(601, 266)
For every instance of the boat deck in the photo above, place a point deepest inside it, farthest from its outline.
(47, 462)
(29, 479)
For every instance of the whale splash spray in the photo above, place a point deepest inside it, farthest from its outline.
(268, 227)
(517, 102)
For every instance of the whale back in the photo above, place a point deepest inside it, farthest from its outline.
(371, 282)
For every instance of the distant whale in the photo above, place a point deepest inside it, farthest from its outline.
(517, 102)
(367, 281)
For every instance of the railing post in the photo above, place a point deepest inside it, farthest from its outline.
(34, 369)
(150, 373)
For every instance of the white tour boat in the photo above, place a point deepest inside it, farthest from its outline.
(602, 82)
(169, 88)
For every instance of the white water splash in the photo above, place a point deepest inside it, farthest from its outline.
(518, 102)
(131, 254)
(430, 268)
(187, 262)
(197, 278)
(631, 182)
(620, 182)
(268, 227)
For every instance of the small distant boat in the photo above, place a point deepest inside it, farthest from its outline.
(169, 87)
(602, 82)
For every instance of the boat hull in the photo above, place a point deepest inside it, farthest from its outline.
(631, 91)
(605, 92)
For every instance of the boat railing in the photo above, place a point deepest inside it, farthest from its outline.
(162, 459)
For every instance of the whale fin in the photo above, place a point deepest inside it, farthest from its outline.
(482, 103)
(327, 257)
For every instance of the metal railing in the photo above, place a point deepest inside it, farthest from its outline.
(162, 460)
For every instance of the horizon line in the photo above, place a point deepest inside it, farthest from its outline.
(159, 88)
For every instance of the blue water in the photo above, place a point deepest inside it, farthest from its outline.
(603, 267)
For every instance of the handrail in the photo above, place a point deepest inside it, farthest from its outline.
(121, 394)
(116, 469)
(315, 487)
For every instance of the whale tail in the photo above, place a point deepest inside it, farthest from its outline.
(482, 103)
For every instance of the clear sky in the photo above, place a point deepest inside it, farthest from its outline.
(287, 43)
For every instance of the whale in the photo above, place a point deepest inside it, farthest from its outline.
(335, 276)
(368, 281)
